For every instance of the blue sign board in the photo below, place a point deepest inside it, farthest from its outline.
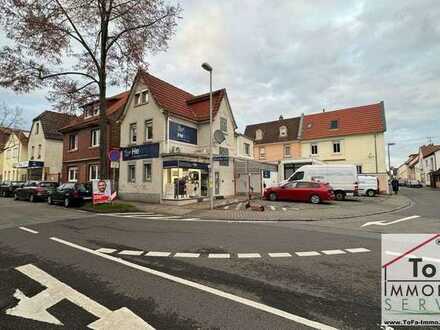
(182, 133)
(143, 151)
(35, 164)
(184, 164)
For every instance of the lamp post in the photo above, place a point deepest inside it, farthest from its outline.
(208, 68)
(389, 156)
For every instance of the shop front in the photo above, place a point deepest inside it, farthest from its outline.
(29, 170)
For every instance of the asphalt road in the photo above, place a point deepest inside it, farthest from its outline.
(198, 275)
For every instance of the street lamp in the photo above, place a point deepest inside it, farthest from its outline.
(389, 157)
(208, 68)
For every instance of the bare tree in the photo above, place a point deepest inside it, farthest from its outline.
(10, 119)
(77, 48)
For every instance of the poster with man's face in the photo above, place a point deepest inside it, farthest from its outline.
(101, 191)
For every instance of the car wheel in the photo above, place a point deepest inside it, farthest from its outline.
(273, 197)
(66, 202)
(31, 198)
(315, 199)
(339, 196)
(371, 193)
(49, 200)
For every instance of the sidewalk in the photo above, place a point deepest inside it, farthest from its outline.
(282, 211)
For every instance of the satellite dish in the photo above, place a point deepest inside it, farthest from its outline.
(219, 137)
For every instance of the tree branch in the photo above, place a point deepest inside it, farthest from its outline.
(67, 73)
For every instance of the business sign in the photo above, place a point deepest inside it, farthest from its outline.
(410, 280)
(29, 164)
(143, 151)
(184, 164)
(182, 133)
(102, 191)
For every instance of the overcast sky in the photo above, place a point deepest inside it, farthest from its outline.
(292, 57)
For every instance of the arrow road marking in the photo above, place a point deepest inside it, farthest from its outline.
(383, 223)
(35, 308)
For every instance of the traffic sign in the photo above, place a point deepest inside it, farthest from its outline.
(114, 155)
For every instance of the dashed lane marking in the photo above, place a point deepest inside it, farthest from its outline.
(248, 255)
(29, 230)
(284, 209)
(219, 255)
(279, 255)
(187, 255)
(204, 288)
(332, 252)
(158, 254)
(226, 207)
(307, 254)
(238, 206)
(357, 250)
(131, 252)
(106, 250)
(272, 207)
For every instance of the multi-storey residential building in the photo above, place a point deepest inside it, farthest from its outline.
(15, 156)
(4, 136)
(81, 158)
(408, 171)
(45, 146)
(429, 156)
(165, 143)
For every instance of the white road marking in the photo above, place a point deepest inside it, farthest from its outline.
(158, 254)
(131, 252)
(332, 252)
(35, 308)
(272, 207)
(129, 213)
(307, 254)
(383, 223)
(29, 230)
(204, 288)
(219, 255)
(279, 254)
(238, 206)
(248, 255)
(106, 250)
(391, 253)
(226, 207)
(187, 255)
(154, 217)
(284, 209)
(357, 250)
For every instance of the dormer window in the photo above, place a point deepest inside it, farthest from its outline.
(283, 131)
(141, 97)
(334, 124)
(259, 134)
(91, 111)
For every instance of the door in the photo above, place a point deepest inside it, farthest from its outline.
(287, 192)
(217, 183)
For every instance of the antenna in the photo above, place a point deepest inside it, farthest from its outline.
(429, 139)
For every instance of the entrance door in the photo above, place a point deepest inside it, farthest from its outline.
(217, 183)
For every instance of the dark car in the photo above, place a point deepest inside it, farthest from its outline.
(70, 194)
(300, 191)
(8, 188)
(35, 190)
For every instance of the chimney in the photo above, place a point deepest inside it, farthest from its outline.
(281, 117)
(323, 109)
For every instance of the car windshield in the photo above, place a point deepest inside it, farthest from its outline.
(48, 184)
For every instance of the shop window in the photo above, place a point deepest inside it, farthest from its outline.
(148, 130)
(314, 149)
(73, 142)
(133, 133)
(94, 137)
(131, 173)
(73, 174)
(185, 183)
(147, 172)
(223, 124)
(337, 147)
(93, 172)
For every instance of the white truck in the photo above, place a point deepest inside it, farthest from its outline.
(342, 178)
(368, 185)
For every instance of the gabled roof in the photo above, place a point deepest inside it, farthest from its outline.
(365, 119)
(271, 130)
(5, 132)
(115, 105)
(51, 122)
(429, 149)
(179, 102)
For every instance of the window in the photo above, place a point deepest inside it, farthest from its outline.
(314, 149)
(258, 134)
(283, 131)
(131, 173)
(93, 172)
(37, 128)
(73, 142)
(247, 149)
(149, 130)
(147, 172)
(287, 150)
(141, 97)
(39, 152)
(262, 153)
(334, 124)
(73, 174)
(297, 176)
(94, 137)
(225, 153)
(223, 124)
(32, 152)
(15, 152)
(133, 133)
(359, 169)
(336, 147)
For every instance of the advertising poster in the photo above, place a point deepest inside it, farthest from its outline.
(102, 191)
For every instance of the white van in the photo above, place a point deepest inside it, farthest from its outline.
(368, 185)
(342, 178)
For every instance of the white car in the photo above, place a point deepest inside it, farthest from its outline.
(368, 185)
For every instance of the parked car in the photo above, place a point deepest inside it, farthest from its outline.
(368, 185)
(414, 184)
(35, 190)
(7, 188)
(70, 194)
(300, 191)
(343, 178)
